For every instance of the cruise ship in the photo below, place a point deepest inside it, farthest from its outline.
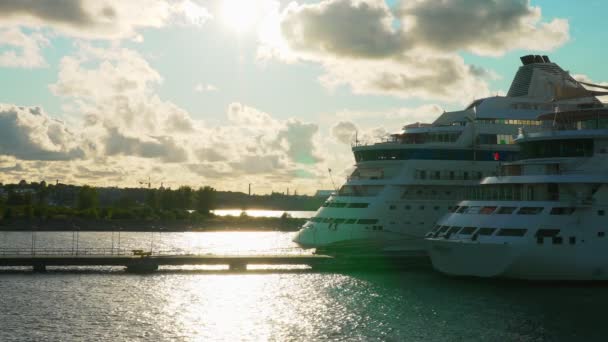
(401, 187)
(544, 216)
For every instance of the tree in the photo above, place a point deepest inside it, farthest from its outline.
(184, 197)
(152, 199)
(87, 198)
(205, 200)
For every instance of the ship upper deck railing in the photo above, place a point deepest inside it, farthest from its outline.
(575, 120)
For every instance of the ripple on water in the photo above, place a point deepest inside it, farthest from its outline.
(194, 306)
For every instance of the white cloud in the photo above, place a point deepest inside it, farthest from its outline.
(21, 50)
(28, 133)
(413, 51)
(99, 19)
(482, 27)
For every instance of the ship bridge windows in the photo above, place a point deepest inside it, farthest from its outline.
(486, 231)
(562, 211)
(454, 230)
(372, 173)
(358, 205)
(468, 230)
(443, 229)
(447, 174)
(530, 210)
(511, 232)
(519, 123)
(431, 154)
(429, 137)
(472, 210)
(462, 209)
(360, 190)
(557, 148)
(487, 210)
(437, 192)
(506, 210)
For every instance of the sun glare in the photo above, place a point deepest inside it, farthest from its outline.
(239, 15)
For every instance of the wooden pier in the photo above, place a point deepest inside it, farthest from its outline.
(138, 261)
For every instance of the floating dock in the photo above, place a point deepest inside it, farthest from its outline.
(138, 261)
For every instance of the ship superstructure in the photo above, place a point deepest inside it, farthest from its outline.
(544, 217)
(401, 186)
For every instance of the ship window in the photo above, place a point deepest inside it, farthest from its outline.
(562, 211)
(407, 207)
(511, 232)
(454, 230)
(487, 210)
(600, 213)
(486, 231)
(468, 230)
(452, 209)
(547, 232)
(351, 221)
(339, 220)
(462, 209)
(337, 205)
(557, 240)
(436, 228)
(325, 204)
(327, 220)
(358, 205)
(506, 210)
(367, 221)
(436, 207)
(317, 219)
(392, 207)
(473, 210)
(600, 234)
(530, 210)
(421, 207)
(572, 240)
(443, 229)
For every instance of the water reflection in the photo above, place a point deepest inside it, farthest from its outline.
(289, 305)
(263, 213)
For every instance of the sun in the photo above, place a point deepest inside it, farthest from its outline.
(239, 15)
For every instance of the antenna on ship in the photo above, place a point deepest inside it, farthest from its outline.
(332, 179)
(555, 110)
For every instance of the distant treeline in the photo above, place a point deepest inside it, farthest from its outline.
(60, 201)
(42, 201)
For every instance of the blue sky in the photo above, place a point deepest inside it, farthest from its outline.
(225, 93)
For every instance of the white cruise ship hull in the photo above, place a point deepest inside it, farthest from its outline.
(471, 259)
(516, 261)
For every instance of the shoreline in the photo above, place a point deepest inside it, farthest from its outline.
(211, 224)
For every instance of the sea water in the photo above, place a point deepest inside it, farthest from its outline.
(197, 304)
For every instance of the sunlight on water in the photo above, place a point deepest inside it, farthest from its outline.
(263, 213)
(191, 304)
